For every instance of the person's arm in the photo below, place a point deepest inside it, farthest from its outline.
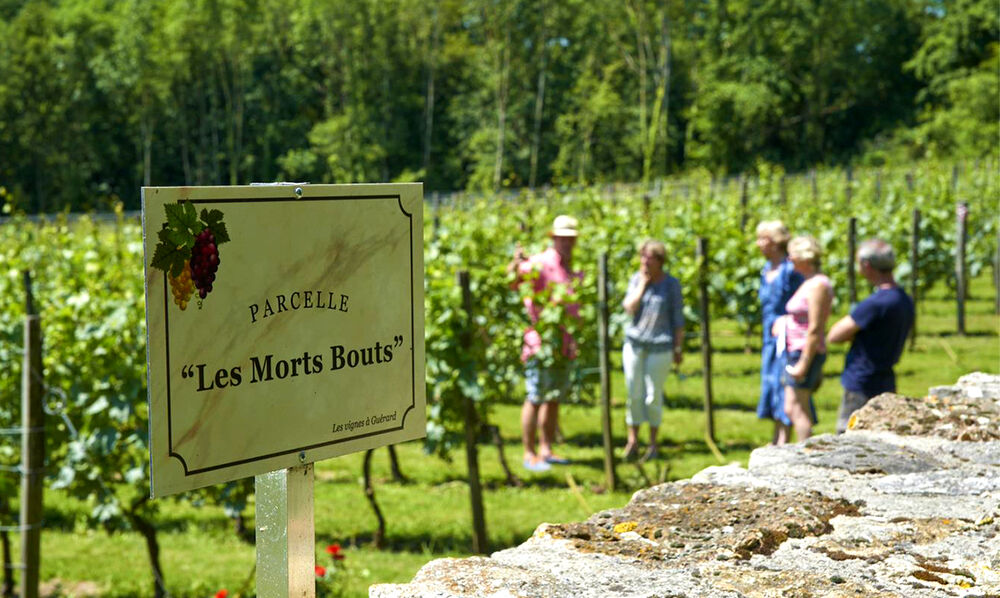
(514, 267)
(843, 330)
(634, 296)
(819, 300)
(678, 345)
(518, 267)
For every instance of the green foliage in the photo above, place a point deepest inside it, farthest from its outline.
(958, 113)
(99, 98)
(88, 290)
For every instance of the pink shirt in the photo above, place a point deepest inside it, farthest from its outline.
(550, 270)
(797, 320)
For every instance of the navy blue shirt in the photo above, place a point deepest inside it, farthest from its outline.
(884, 319)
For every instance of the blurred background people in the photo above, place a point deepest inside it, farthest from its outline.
(546, 384)
(778, 282)
(801, 334)
(877, 329)
(654, 338)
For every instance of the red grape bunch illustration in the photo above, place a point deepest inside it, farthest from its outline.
(188, 251)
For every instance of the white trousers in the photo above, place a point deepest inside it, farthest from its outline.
(645, 374)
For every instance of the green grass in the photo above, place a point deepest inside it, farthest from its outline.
(429, 517)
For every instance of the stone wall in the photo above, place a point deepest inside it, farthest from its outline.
(905, 504)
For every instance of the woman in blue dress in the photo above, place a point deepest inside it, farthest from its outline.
(778, 282)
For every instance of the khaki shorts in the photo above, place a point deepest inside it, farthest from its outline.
(545, 384)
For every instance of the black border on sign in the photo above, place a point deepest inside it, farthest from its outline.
(166, 322)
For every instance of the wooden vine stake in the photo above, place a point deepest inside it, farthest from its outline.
(610, 476)
(852, 248)
(706, 346)
(961, 219)
(914, 273)
(32, 448)
(479, 543)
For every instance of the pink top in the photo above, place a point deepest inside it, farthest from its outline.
(797, 320)
(550, 271)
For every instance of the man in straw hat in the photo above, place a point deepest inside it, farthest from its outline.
(546, 384)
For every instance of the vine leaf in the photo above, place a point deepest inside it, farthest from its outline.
(168, 256)
(213, 220)
(176, 238)
(182, 217)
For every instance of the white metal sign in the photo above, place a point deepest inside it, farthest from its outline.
(285, 326)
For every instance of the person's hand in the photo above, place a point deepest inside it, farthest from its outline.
(644, 278)
(515, 264)
(797, 371)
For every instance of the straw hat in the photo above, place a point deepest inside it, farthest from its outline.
(564, 226)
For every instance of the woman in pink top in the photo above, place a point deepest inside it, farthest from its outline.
(801, 334)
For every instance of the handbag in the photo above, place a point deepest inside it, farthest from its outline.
(781, 341)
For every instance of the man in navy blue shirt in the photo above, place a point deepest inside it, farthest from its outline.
(877, 328)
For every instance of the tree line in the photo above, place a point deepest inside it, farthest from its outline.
(100, 97)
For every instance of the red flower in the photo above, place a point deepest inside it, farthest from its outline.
(334, 551)
(222, 593)
(320, 571)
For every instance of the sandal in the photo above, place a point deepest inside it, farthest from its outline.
(536, 465)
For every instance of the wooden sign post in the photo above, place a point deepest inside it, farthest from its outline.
(285, 326)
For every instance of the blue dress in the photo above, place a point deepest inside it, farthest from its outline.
(773, 296)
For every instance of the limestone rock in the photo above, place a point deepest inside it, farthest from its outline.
(906, 504)
(955, 414)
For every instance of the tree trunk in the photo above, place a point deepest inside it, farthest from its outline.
(216, 144)
(40, 204)
(502, 109)
(147, 150)
(397, 473)
(148, 532)
(7, 588)
(229, 82)
(244, 533)
(8, 572)
(667, 50)
(640, 46)
(429, 97)
(378, 537)
(511, 479)
(185, 152)
(536, 134)
(202, 147)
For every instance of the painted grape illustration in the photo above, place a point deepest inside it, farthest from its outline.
(182, 287)
(188, 250)
(204, 262)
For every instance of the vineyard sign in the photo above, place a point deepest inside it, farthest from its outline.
(285, 326)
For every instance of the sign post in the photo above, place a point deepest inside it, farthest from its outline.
(285, 532)
(285, 326)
